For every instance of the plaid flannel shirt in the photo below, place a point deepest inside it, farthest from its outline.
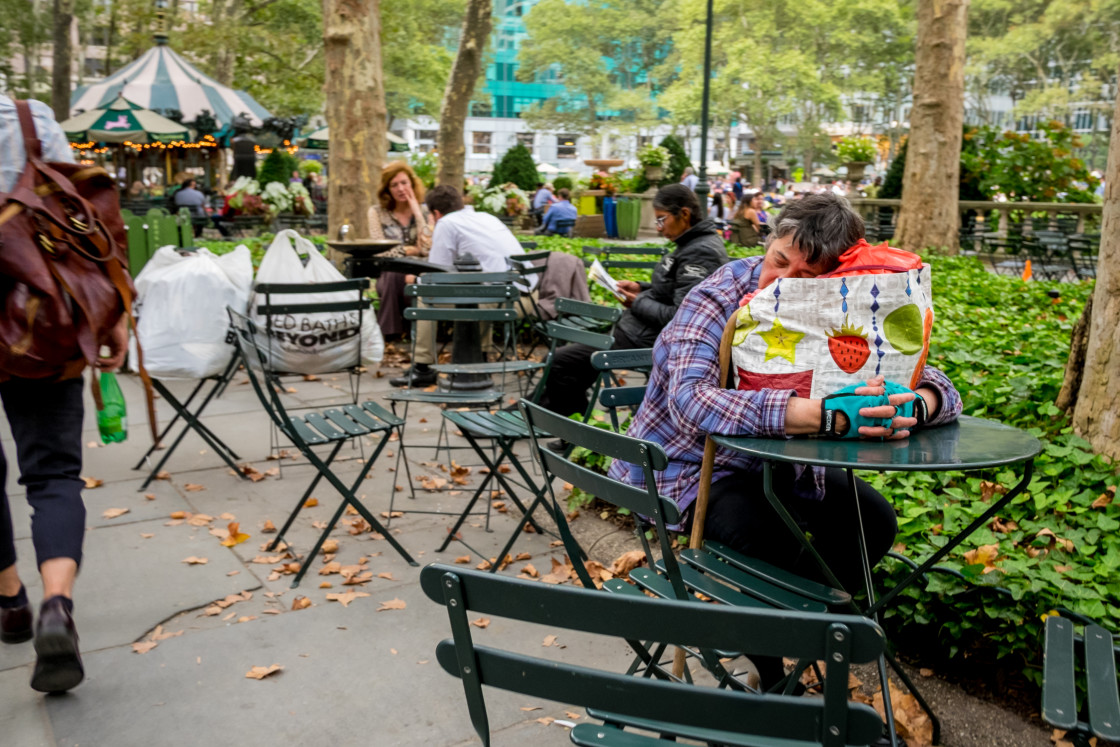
(685, 401)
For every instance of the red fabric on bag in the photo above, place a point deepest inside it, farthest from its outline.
(865, 259)
(880, 259)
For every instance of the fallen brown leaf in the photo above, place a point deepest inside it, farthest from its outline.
(144, 647)
(149, 496)
(329, 546)
(236, 536)
(463, 559)
(482, 622)
(311, 503)
(112, 513)
(300, 603)
(392, 604)
(163, 475)
(346, 597)
(192, 487)
(268, 527)
(192, 560)
(93, 482)
(549, 640)
(259, 673)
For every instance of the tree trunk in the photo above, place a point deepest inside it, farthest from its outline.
(1096, 415)
(60, 66)
(1075, 364)
(460, 88)
(756, 166)
(929, 216)
(355, 111)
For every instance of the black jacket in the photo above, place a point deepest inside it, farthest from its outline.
(699, 253)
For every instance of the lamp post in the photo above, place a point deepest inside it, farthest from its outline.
(702, 183)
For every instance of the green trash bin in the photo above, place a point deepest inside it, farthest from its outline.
(629, 217)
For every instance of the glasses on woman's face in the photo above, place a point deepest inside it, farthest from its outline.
(660, 221)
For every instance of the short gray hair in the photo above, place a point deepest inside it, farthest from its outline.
(821, 226)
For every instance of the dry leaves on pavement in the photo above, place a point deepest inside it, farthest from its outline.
(193, 560)
(482, 622)
(93, 482)
(236, 536)
(259, 673)
(112, 513)
(192, 487)
(346, 597)
(392, 604)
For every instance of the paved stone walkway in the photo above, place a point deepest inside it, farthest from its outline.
(352, 675)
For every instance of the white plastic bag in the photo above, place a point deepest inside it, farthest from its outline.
(319, 342)
(181, 310)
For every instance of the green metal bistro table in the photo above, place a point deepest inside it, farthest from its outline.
(967, 445)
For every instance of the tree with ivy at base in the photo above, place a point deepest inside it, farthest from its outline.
(517, 166)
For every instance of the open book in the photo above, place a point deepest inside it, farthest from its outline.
(599, 274)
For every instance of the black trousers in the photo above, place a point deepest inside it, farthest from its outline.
(46, 421)
(740, 516)
(572, 374)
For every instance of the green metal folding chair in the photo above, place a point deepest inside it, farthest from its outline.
(1098, 653)
(500, 431)
(333, 428)
(608, 256)
(455, 297)
(744, 583)
(668, 709)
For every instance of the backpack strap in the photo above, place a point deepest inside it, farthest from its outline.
(31, 142)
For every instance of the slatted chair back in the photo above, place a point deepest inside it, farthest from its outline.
(564, 226)
(138, 252)
(591, 316)
(1099, 654)
(607, 256)
(613, 396)
(283, 299)
(253, 348)
(642, 501)
(1083, 253)
(831, 721)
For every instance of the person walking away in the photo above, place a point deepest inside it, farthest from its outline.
(45, 415)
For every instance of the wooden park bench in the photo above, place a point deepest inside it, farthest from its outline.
(1059, 687)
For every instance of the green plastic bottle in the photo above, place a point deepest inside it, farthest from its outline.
(112, 419)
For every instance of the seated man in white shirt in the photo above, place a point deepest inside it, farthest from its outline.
(458, 230)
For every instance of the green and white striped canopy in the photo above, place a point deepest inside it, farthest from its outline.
(161, 79)
(123, 121)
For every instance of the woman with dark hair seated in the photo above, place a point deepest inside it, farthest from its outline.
(649, 306)
(748, 227)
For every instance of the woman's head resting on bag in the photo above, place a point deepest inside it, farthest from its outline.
(808, 238)
(676, 209)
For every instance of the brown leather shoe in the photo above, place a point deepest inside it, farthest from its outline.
(15, 624)
(58, 666)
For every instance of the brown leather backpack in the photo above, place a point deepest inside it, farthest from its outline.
(64, 282)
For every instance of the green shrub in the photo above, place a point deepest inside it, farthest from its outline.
(678, 159)
(426, 166)
(309, 166)
(562, 182)
(892, 182)
(517, 167)
(277, 167)
(853, 148)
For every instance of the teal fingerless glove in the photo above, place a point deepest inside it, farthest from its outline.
(850, 403)
(916, 408)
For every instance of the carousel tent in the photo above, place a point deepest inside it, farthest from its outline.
(123, 121)
(320, 140)
(161, 79)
